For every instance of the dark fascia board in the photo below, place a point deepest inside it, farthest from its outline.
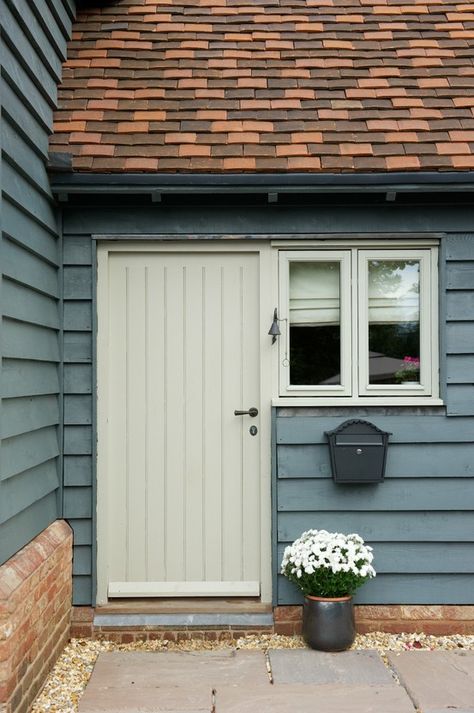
(64, 184)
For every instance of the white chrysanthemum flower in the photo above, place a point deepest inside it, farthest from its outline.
(319, 554)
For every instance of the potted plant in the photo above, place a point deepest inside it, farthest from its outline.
(328, 567)
(409, 370)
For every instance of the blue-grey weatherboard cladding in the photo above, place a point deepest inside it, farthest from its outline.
(420, 520)
(34, 34)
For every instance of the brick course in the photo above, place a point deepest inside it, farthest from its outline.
(35, 609)
(82, 627)
(435, 619)
(439, 620)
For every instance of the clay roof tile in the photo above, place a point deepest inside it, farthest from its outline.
(233, 85)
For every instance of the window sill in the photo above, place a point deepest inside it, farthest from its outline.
(360, 402)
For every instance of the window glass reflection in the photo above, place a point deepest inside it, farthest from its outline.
(394, 321)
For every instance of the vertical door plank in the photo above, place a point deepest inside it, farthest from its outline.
(137, 395)
(232, 426)
(251, 444)
(193, 426)
(116, 502)
(175, 417)
(156, 423)
(212, 418)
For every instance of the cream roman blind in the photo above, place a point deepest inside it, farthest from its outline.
(314, 293)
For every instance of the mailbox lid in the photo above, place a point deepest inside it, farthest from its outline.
(363, 439)
(357, 428)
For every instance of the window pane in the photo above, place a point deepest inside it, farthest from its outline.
(394, 321)
(315, 341)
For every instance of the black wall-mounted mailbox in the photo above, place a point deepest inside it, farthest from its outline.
(358, 452)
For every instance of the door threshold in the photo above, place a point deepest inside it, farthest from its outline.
(171, 605)
(190, 620)
(193, 612)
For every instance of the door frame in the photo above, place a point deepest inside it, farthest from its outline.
(268, 289)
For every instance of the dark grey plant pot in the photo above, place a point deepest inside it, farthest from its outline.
(328, 624)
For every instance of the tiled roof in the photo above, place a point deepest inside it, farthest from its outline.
(270, 85)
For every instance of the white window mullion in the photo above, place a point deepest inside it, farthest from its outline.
(355, 325)
(434, 323)
(346, 324)
(425, 324)
(361, 356)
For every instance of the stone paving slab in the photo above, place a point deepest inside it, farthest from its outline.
(449, 709)
(305, 682)
(437, 681)
(317, 667)
(303, 698)
(123, 669)
(137, 699)
(289, 698)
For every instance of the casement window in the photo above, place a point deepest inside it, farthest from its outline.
(359, 324)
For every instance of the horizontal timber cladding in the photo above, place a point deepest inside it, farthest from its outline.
(425, 505)
(459, 255)
(79, 408)
(34, 37)
(419, 520)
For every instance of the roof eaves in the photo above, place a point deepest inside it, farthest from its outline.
(64, 184)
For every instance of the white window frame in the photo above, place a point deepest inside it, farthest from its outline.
(355, 387)
(343, 257)
(424, 388)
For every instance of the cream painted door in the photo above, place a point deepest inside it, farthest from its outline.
(179, 504)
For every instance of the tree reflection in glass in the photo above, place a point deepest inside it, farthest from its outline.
(394, 321)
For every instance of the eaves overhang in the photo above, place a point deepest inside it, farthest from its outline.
(65, 184)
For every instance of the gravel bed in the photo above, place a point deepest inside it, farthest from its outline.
(68, 679)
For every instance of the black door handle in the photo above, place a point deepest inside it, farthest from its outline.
(252, 412)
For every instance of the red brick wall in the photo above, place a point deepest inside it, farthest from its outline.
(35, 610)
(82, 627)
(430, 619)
(439, 620)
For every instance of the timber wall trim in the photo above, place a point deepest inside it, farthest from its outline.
(217, 216)
(79, 408)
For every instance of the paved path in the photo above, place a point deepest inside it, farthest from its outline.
(284, 681)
